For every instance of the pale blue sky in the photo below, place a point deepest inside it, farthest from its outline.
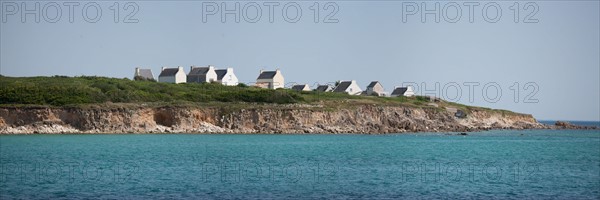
(560, 53)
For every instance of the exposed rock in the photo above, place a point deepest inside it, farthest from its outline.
(275, 119)
(567, 125)
(460, 114)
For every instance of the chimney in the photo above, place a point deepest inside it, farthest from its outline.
(162, 69)
(261, 71)
(210, 67)
(137, 71)
(229, 70)
(180, 68)
(191, 68)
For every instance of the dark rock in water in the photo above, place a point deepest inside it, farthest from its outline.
(463, 133)
(567, 125)
(562, 123)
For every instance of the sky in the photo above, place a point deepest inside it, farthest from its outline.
(543, 61)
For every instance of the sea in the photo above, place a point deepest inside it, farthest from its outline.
(498, 164)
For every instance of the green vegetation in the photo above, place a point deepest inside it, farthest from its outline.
(59, 91)
(62, 90)
(82, 91)
(141, 78)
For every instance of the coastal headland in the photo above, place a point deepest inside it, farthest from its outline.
(55, 105)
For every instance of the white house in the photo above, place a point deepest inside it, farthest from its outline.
(202, 74)
(227, 77)
(403, 91)
(375, 89)
(143, 74)
(172, 75)
(299, 88)
(349, 87)
(324, 88)
(270, 79)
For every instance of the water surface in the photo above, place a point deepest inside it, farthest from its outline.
(549, 164)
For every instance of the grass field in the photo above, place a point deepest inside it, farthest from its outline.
(87, 90)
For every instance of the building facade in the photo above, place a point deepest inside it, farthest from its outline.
(172, 75)
(270, 79)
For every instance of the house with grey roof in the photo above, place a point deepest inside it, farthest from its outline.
(324, 88)
(226, 77)
(403, 91)
(143, 74)
(349, 87)
(202, 74)
(375, 89)
(270, 79)
(300, 88)
(172, 75)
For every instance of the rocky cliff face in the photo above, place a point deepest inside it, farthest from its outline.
(368, 119)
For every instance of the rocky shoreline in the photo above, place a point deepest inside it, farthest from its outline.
(270, 119)
(567, 125)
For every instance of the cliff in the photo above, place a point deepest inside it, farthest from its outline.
(255, 118)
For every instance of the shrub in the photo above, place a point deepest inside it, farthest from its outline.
(141, 78)
(422, 98)
(90, 89)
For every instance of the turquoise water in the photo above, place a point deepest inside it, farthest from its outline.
(495, 164)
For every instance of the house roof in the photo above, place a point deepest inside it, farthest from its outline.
(323, 88)
(298, 87)
(199, 71)
(399, 91)
(267, 75)
(169, 72)
(146, 73)
(343, 86)
(221, 73)
(372, 84)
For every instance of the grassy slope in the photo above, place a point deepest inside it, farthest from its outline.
(86, 91)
